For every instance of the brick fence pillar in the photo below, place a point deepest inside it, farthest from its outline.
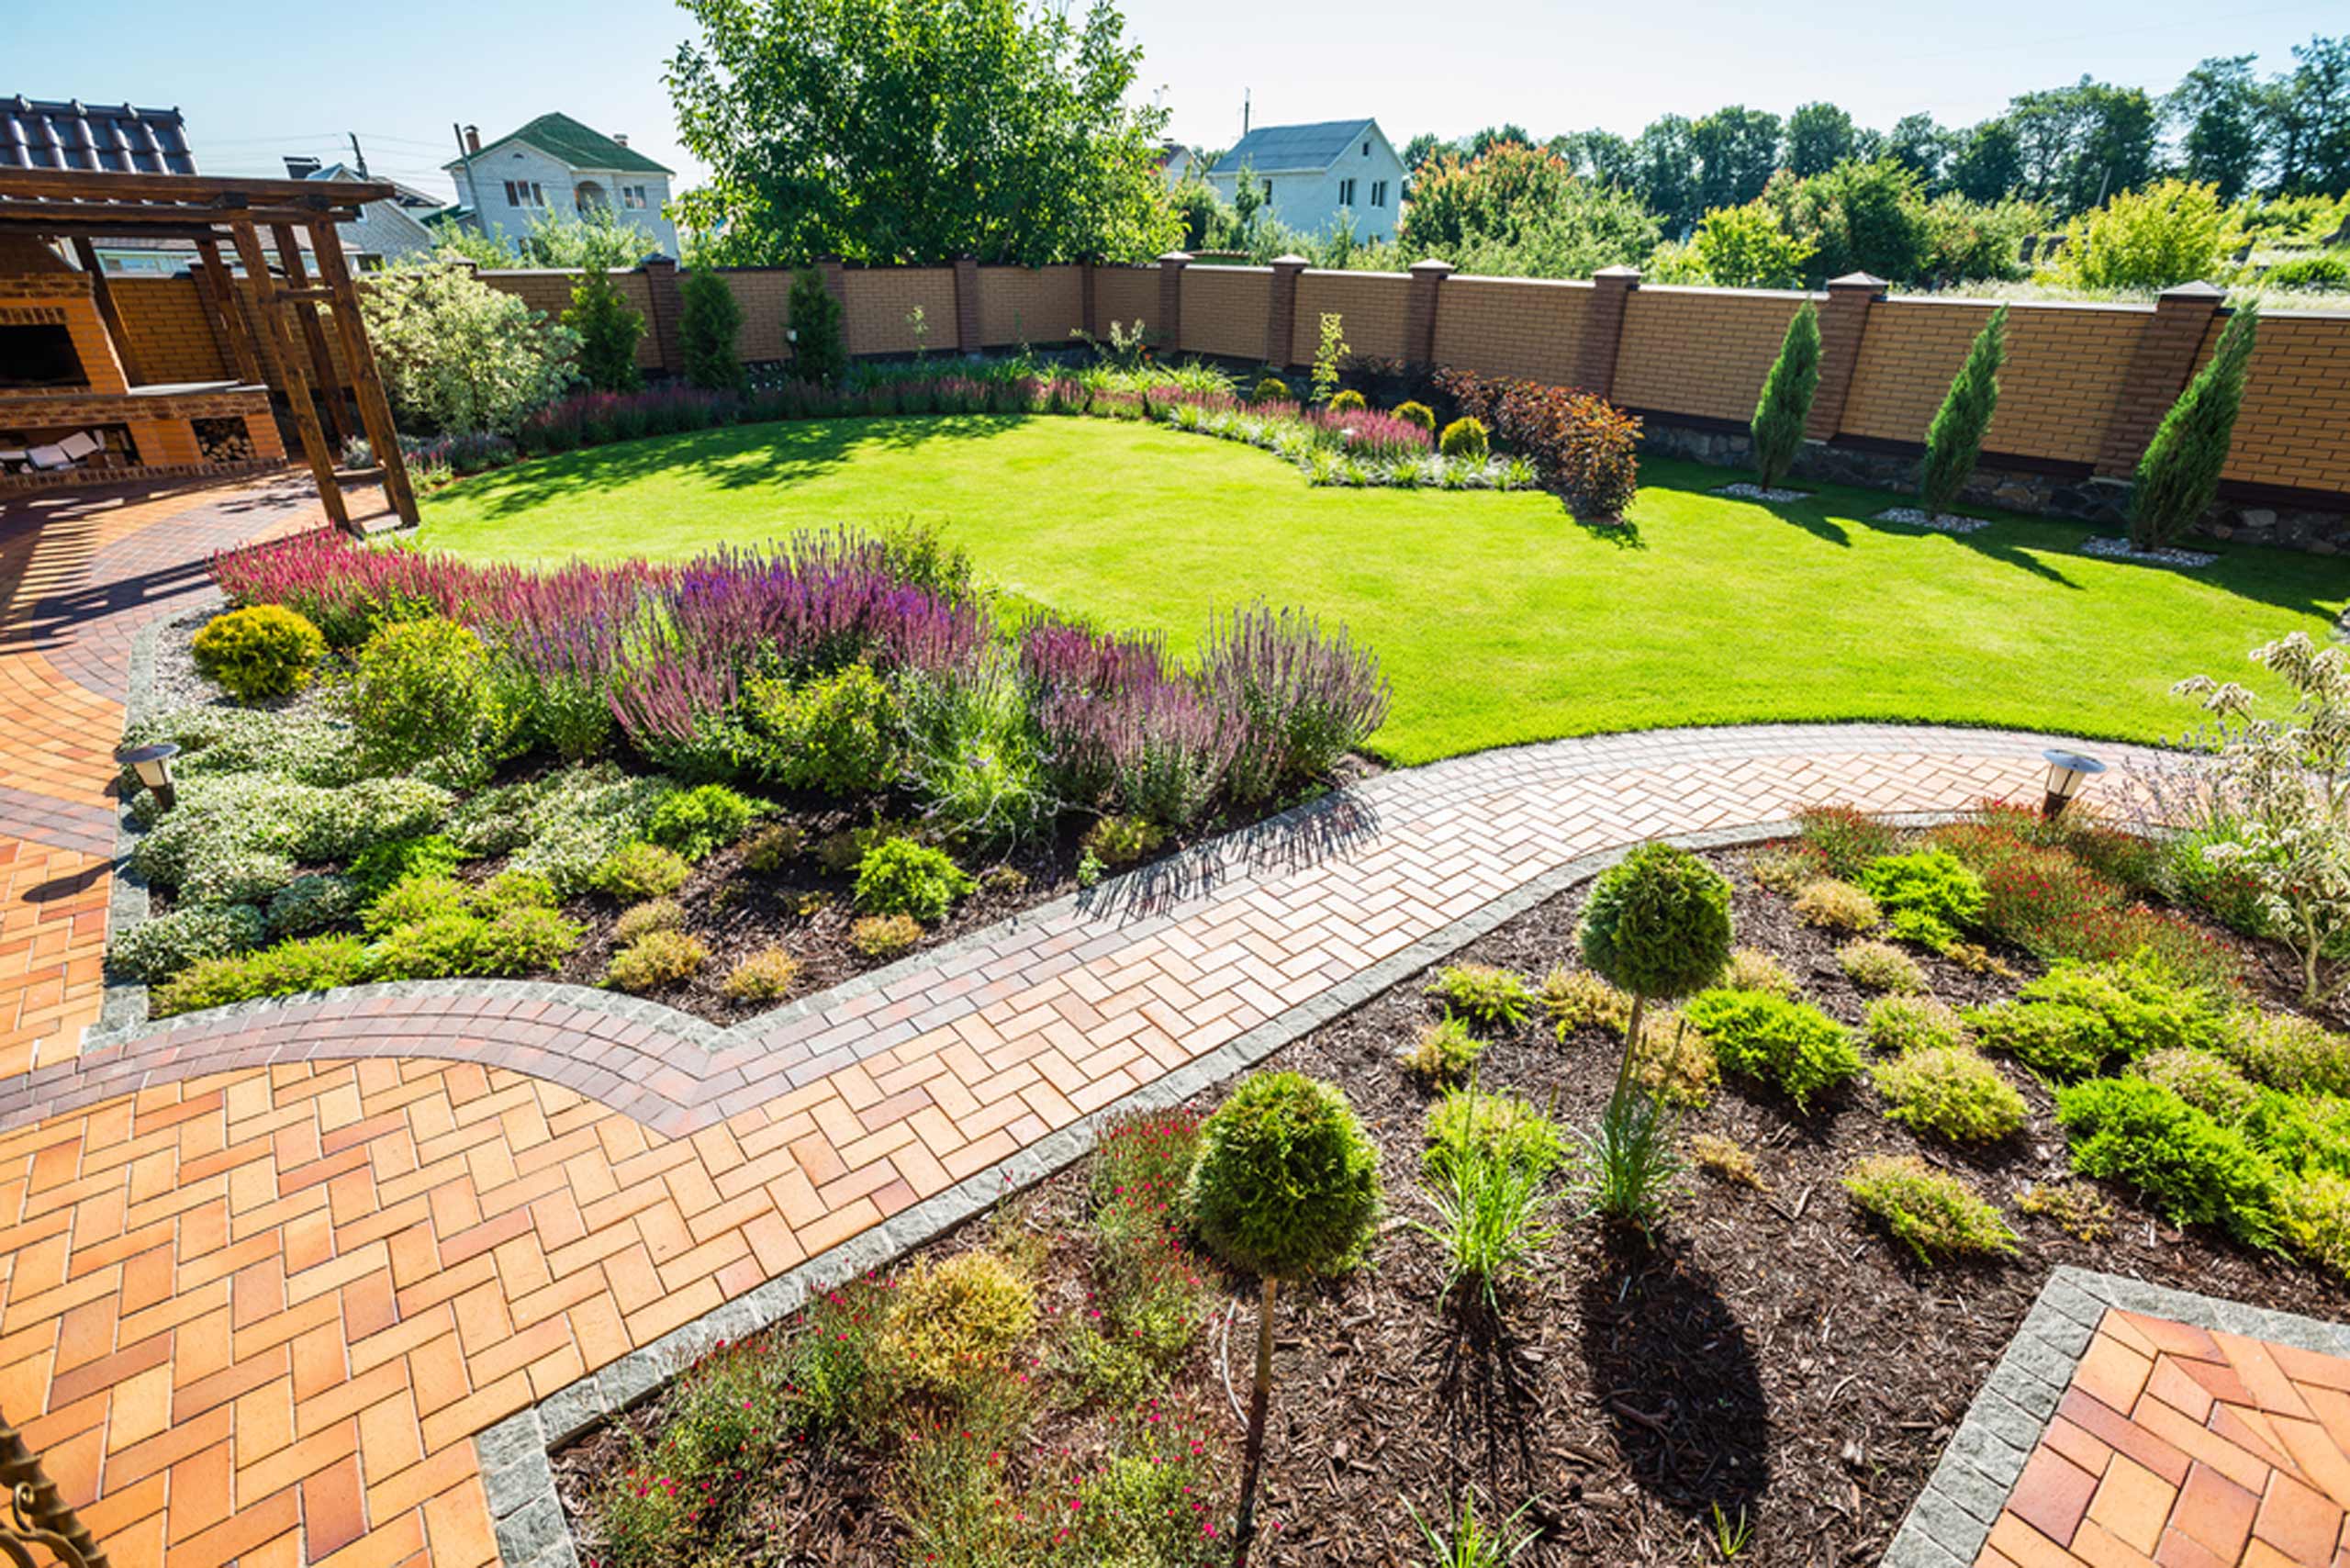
(1841, 326)
(1420, 308)
(967, 304)
(668, 308)
(1170, 300)
(1281, 310)
(1089, 313)
(1603, 330)
(2159, 367)
(834, 272)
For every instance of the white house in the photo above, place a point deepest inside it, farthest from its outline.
(385, 231)
(554, 166)
(1312, 172)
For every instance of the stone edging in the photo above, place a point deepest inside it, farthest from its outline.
(513, 1454)
(1952, 1519)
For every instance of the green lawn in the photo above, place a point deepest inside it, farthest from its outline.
(1498, 617)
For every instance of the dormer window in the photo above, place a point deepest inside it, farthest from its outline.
(1366, 148)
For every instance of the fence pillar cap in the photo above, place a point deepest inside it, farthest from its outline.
(2196, 293)
(1175, 259)
(1856, 280)
(1291, 260)
(1431, 264)
(1630, 274)
(657, 259)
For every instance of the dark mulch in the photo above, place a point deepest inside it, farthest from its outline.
(1771, 1355)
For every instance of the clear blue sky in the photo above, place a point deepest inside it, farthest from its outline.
(399, 74)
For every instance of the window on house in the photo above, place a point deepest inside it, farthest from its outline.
(1379, 193)
(1366, 148)
(1346, 193)
(632, 195)
(1269, 188)
(525, 193)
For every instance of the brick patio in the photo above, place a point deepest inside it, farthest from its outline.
(266, 1275)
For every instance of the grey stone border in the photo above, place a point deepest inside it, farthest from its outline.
(1947, 1526)
(513, 1455)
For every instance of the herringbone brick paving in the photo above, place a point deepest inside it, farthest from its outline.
(262, 1277)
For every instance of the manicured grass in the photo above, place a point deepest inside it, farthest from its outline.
(1498, 617)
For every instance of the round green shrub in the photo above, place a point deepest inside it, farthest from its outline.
(1271, 389)
(637, 871)
(258, 652)
(765, 976)
(1949, 1092)
(1904, 1024)
(1286, 1183)
(641, 919)
(421, 692)
(1418, 414)
(289, 969)
(842, 733)
(656, 960)
(899, 876)
(525, 939)
(413, 900)
(879, 936)
(697, 822)
(1348, 402)
(1791, 1045)
(1466, 439)
(1658, 922)
(380, 866)
(1121, 840)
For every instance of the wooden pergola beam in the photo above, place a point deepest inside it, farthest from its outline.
(366, 382)
(87, 255)
(121, 217)
(298, 385)
(37, 185)
(302, 300)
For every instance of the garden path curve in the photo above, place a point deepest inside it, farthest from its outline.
(265, 1274)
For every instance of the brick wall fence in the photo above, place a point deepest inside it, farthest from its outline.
(2084, 385)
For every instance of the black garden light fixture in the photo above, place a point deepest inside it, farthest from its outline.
(153, 766)
(2067, 772)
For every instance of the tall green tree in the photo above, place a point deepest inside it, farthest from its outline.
(1867, 217)
(1785, 402)
(1421, 147)
(2082, 143)
(819, 353)
(710, 318)
(1820, 137)
(2178, 477)
(1987, 162)
(2221, 110)
(2309, 114)
(1493, 136)
(1524, 213)
(914, 130)
(1664, 171)
(609, 328)
(1954, 439)
(1918, 145)
(1738, 150)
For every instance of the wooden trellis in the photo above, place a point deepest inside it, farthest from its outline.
(77, 206)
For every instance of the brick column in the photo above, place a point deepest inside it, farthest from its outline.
(835, 275)
(1089, 314)
(669, 306)
(1603, 330)
(1841, 326)
(2159, 367)
(1170, 324)
(1281, 310)
(967, 304)
(1420, 308)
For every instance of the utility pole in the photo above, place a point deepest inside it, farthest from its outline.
(357, 156)
(1244, 111)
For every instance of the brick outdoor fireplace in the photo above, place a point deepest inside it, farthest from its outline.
(68, 413)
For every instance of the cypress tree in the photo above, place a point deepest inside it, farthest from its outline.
(2180, 475)
(708, 320)
(817, 354)
(1955, 437)
(608, 330)
(1785, 402)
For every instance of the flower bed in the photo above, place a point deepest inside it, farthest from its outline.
(721, 783)
(1777, 1368)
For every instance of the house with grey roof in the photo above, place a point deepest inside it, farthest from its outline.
(556, 167)
(1311, 174)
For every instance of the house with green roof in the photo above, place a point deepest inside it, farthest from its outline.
(1314, 177)
(556, 167)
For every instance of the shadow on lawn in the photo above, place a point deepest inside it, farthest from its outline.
(1675, 1374)
(736, 457)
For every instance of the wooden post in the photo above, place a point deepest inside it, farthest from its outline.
(289, 257)
(298, 386)
(366, 382)
(228, 321)
(108, 311)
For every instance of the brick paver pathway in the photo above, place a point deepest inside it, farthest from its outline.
(263, 1276)
(2187, 1448)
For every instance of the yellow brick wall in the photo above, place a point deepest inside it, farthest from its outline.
(1373, 307)
(2295, 425)
(169, 339)
(550, 292)
(1036, 306)
(765, 294)
(1699, 352)
(1510, 327)
(880, 299)
(1126, 295)
(1224, 311)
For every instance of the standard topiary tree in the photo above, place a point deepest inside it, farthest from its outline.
(1286, 1186)
(1657, 926)
(1785, 402)
(817, 353)
(1955, 437)
(708, 320)
(609, 330)
(2180, 475)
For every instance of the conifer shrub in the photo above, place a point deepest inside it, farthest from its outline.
(1935, 1215)
(1954, 439)
(710, 319)
(608, 328)
(1949, 1092)
(1786, 401)
(817, 354)
(2178, 477)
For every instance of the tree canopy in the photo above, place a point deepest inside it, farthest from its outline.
(915, 130)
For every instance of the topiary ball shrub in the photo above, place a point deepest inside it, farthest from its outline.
(1657, 923)
(698, 821)
(1466, 441)
(421, 692)
(1418, 414)
(1271, 389)
(258, 652)
(1348, 402)
(1287, 1183)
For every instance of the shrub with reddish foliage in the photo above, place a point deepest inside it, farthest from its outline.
(1586, 448)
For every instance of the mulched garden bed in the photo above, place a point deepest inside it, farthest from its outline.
(1773, 1355)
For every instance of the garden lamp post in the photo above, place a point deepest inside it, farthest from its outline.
(2067, 772)
(153, 766)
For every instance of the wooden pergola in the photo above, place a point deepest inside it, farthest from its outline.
(77, 207)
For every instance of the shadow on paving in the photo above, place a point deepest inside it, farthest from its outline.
(1327, 829)
(737, 457)
(1675, 1375)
